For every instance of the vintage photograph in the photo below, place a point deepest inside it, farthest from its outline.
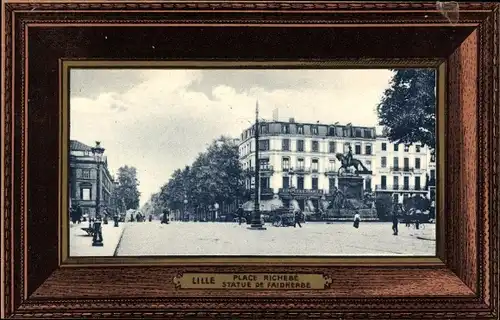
(252, 162)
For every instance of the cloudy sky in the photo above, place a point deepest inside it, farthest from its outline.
(159, 120)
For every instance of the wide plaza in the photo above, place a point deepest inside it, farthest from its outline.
(313, 239)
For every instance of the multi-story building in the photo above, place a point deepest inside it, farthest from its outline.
(83, 183)
(431, 184)
(402, 170)
(298, 160)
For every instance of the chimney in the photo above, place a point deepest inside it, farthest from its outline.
(292, 120)
(275, 114)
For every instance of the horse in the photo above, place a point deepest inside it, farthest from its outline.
(346, 164)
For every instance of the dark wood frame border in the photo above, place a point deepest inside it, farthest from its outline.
(37, 35)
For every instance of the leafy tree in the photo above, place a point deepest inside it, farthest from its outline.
(173, 193)
(215, 176)
(408, 108)
(127, 189)
(153, 206)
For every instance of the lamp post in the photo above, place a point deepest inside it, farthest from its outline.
(185, 206)
(256, 223)
(98, 151)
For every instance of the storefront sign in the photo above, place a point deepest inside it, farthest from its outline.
(259, 281)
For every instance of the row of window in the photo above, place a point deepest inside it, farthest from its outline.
(86, 174)
(300, 164)
(396, 147)
(338, 131)
(395, 182)
(264, 145)
(331, 165)
(86, 194)
(395, 161)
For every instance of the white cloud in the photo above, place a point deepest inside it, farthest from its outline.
(157, 122)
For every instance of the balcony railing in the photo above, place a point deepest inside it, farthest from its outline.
(266, 167)
(331, 171)
(301, 170)
(396, 187)
(402, 169)
(308, 192)
(263, 168)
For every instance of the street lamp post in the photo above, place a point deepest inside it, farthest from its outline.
(97, 240)
(185, 206)
(256, 223)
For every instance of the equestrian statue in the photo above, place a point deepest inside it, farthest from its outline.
(348, 161)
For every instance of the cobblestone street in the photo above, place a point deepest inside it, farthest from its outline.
(313, 239)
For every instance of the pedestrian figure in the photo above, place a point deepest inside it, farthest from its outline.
(239, 212)
(395, 222)
(150, 218)
(105, 219)
(357, 219)
(78, 213)
(297, 219)
(164, 219)
(72, 214)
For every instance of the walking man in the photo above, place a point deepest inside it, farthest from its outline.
(164, 219)
(79, 213)
(395, 222)
(297, 219)
(239, 212)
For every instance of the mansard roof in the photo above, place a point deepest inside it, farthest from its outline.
(76, 145)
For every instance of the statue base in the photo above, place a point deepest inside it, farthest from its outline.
(351, 186)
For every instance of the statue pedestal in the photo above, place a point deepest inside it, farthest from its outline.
(351, 186)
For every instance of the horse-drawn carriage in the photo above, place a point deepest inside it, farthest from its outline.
(415, 218)
(283, 217)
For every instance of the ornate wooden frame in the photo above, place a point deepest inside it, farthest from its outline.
(462, 282)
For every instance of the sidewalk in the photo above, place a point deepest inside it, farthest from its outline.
(80, 244)
(426, 234)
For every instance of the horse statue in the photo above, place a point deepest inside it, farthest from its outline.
(347, 161)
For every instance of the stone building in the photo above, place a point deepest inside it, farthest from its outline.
(402, 170)
(83, 181)
(298, 160)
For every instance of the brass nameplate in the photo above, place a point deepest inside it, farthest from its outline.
(261, 281)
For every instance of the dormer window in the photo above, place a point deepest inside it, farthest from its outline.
(331, 131)
(346, 131)
(285, 128)
(263, 129)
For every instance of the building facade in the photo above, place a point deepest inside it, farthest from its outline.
(298, 161)
(431, 184)
(83, 181)
(402, 170)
